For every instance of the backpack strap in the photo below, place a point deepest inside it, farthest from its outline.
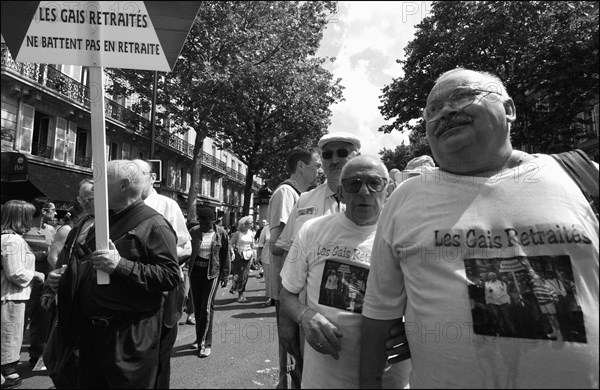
(289, 183)
(130, 221)
(581, 169)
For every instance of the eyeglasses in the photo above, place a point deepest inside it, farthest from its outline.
(373, 183)
(85, 199)
(458, 100)
(341, 153)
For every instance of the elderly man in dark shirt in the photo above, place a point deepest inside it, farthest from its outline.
(121, 321)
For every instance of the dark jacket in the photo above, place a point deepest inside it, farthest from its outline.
(220, 256)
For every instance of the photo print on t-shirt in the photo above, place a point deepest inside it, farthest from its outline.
(525, 297)
(343, 286)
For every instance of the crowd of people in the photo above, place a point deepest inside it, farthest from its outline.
(455, 275)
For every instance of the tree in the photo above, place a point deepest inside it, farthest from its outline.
(289, 106)
(399, 157)
(545, 52)
(244, 75)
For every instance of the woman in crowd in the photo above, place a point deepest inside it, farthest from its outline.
(70, 219)
(18, 271)
(39, 237)
(242, 242)
(209, 265)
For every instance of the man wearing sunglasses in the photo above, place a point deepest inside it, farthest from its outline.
(336, 150)
(489, 208)
(340, 243)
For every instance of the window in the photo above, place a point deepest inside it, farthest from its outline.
(183, 178)
(126, 154)
(82, 141)
(41, 133)
(213, 185)
(113, 151)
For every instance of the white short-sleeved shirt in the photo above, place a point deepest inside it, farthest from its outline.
(333, 243)
(280, 206)
(314, 203)
(439, 234)
(169, 209)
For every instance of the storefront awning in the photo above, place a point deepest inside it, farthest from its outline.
(57, 184)
(201, 200)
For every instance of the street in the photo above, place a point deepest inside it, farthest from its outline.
(244, 349)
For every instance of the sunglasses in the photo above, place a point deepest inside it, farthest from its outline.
(341, 153)
(373, 183)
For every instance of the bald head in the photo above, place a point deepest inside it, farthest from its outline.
(364, 161)
(125, 183)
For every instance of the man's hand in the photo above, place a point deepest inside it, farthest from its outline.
(46, 301)
(54, 278)
(39, 276)
(321, 334)
(289, 334)
(224, 283)
(396, 347)
(106, 260)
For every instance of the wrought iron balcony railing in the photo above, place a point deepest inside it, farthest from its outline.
(83, 161)
(41, 150)
(60, 83)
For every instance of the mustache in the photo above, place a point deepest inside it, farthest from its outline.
(453, 121)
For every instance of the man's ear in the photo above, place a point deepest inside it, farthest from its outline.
(125, 184)
(511, 110)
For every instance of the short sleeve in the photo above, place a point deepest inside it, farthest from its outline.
(295, 268)
(385, 296)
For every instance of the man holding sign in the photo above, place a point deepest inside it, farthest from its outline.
(121, 321)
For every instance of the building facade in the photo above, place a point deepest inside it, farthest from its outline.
(46, 142)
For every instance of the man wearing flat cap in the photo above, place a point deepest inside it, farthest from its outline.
(336, 150)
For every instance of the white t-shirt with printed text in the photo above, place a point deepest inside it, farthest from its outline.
(439, 234)
(335, 243)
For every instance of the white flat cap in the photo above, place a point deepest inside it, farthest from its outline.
(340, 136)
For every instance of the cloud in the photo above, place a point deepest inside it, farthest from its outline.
(367, 38)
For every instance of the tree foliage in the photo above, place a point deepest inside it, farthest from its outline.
(545, 52)
(247, 73)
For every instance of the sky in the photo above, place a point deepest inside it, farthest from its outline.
(367, 37)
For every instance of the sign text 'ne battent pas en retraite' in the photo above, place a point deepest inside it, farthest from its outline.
(116, 34)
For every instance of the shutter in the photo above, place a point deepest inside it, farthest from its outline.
(71, 142)
(26, 137)
(60, 138)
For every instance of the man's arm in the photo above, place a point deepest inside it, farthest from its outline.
(321, 334)
(373, 356)
(184, 251)
(275, 233)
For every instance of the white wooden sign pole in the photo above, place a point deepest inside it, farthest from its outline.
(99, 167)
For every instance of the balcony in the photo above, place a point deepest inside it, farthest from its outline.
(56, 82)
(234, 175)
(83, 161)
(41, 150)
(7, 134)
(214, 163)
(59, 83)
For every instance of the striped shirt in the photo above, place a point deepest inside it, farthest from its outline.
(544, 293)
(18, 264)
